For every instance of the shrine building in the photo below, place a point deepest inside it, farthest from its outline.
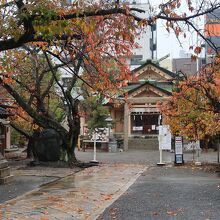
(136, 119)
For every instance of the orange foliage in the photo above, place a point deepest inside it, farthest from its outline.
(194, 109)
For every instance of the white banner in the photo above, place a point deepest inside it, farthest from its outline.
(138, 128)
(164, 137)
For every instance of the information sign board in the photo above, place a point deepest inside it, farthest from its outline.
(178, 145)
(178, 158)
(164, 137)
(178, 150)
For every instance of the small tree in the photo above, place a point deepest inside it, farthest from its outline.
(96, 113)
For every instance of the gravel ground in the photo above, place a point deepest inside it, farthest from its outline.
(169, 193)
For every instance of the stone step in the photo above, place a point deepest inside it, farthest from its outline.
(3, 163)
(6, 180)
(4, 172)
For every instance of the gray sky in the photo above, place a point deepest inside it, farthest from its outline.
(168, 43)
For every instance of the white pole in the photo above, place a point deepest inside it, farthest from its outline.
(161, 156)
(94, 150)
(161, 160)
(160, 136)
(94, 154)
(198, 152)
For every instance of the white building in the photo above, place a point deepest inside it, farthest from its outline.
(147, 40)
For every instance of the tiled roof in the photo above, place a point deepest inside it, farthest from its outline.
(149, 62)
(151, 84)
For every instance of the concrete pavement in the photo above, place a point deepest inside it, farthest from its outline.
(169, 193)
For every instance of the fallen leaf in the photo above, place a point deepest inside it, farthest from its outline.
(43, 218)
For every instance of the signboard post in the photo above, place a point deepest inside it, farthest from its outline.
(164, 139)
(179, 150)
(94, 149)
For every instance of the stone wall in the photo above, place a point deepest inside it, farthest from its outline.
(142, 143)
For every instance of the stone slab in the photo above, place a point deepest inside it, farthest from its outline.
(6, 180)
(83, 195)
(4, 172)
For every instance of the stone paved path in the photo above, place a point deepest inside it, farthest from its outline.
(84, 195)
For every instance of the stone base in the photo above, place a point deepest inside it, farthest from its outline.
(3, 163)
(198, 163)
(6, 180)
(5, 176)
(4, 172)
(94, 162)
(161, 164)
(142, 143)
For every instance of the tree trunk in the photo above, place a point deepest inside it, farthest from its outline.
(74, 132)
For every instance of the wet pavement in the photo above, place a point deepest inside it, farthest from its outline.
(26, 178)
(144, 156)
(83, 195)
(21, 185)
(47, 193)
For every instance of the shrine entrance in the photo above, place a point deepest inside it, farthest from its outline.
(144, 123)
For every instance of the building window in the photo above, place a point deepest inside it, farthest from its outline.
(187, 67)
